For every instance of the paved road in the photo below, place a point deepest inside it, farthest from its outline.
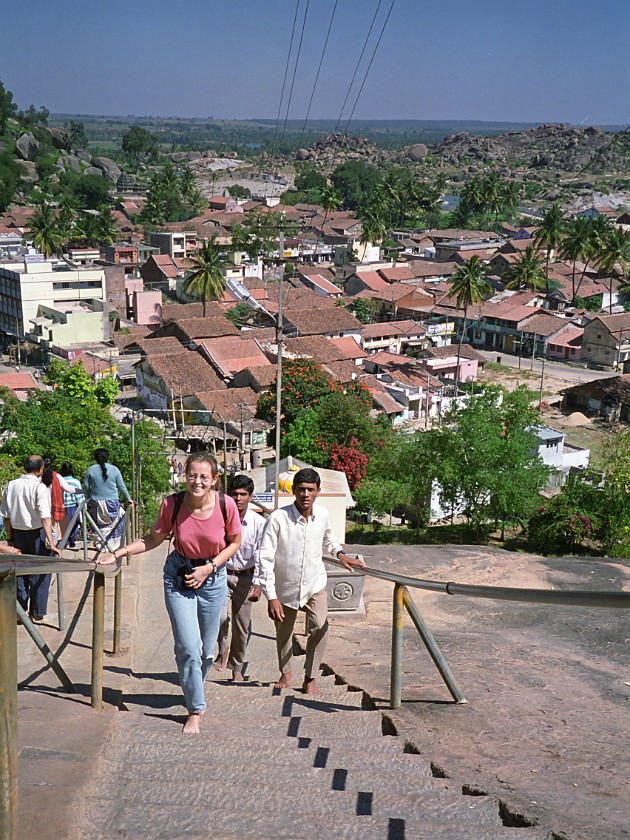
(562, 371)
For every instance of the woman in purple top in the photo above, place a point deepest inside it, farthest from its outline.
(207, 532)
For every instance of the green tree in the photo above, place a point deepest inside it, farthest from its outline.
(207, 280)
(614, 256)
(105, 391)
(575, 246)
(549, 235)
(308, 178)
(526, 272)
(302, 439)
(354, 180)
(139, 144)
(76, 132)
(42, 226)
(10, 179)
(469, 287)
(364, 309)
(8, 108)
(90, 191)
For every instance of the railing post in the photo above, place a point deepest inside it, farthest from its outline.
(431, 645)
(61, 610)
(397, 645)
(8, 708)
(117, 611)
(98, 639)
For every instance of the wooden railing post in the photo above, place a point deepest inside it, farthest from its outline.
(8, 708)
(397, 646)
(98, 640)
(117, 611)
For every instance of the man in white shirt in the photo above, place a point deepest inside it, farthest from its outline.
(293, 575)
(243, 572)
(25, 508)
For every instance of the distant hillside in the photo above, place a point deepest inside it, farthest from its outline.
(200, 132)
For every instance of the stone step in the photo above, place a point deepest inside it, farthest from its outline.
(339, 815)
(142, 760)
(243, 698)
(305, 722)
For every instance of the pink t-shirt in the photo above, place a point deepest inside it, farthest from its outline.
(199, 539)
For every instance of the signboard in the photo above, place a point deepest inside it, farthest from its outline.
(263, 498)
(440, 329)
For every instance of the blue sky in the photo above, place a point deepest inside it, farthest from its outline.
(541, 60)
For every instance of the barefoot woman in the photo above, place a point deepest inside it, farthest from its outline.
(194, 602)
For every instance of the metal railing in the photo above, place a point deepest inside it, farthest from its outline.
(12, 565)
(402, 600)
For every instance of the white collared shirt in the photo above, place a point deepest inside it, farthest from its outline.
(248, 555)
(291, 565)
(26, 502)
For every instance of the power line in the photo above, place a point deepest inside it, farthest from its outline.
(321, 60)
(356, 101)
(297, 61)
(284, 80)
(356, 69)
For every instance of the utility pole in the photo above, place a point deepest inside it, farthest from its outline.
(242, 454)
(278, 381)
(542, 379)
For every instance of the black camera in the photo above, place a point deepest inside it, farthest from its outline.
(186, 568)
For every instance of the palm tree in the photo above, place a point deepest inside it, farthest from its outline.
(188, 184)
(106, 229)
(614, 256)
(526, 272)
(468, 288)
(492, 191)
(207, 279)
(575, 246)
(44, 229)
(549, 234)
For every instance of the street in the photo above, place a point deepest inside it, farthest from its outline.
(555, 369)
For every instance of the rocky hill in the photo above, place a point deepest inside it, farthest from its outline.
(547, 147)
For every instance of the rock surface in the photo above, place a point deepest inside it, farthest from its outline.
(27, 146)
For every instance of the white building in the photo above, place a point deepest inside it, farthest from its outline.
(26, 284)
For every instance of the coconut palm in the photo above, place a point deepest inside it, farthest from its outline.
(106, 229)
(575, 246)
(469, 287)
(549, 234)
(44, 229)
(188, 183)
(526, 272)
(614, 256)
(207, 279)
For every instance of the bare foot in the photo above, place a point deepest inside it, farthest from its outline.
(286, 680)
(237, 676)
(221, 661)
(308, 686)
(191, 727)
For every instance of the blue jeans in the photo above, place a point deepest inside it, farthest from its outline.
(195, 615)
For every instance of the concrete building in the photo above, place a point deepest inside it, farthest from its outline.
(27, 284)
(178, 245)
(54, 328)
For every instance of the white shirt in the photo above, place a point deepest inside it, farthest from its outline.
(26, 502)
(248, 555)
(291, 565)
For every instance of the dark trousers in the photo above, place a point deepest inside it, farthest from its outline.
(32, 590)
(70, 511)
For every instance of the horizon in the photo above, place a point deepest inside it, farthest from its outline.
(488, 62)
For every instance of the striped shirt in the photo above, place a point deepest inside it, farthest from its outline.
(72, 499)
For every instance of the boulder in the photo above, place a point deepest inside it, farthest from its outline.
(71, 162)
(60, 138)
(108, 167)
(178, 157)
(194, 156)
(417, 152)
(29, 171)
(86, 157)
(92, 170)
(27, 146)
(3, 147)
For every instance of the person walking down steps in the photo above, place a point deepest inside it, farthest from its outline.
(103, 485)
(206, 530)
